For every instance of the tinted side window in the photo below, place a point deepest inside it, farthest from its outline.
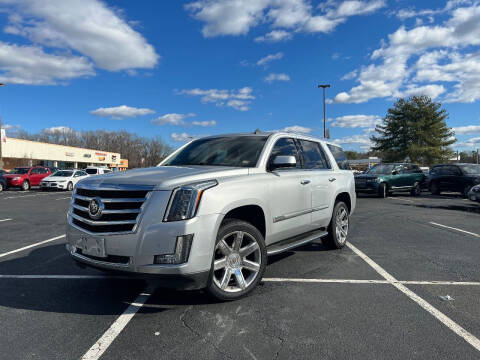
(285, 147)
(339, 157)
(313, 155)
(35, 171)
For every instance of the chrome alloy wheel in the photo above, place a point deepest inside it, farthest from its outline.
(237, 261)
(342, 222)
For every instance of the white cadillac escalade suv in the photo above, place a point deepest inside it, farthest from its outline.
(210, 214)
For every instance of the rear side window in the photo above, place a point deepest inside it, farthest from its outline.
(339, 157)
(91, 171)
(313, 155)
(285, 147)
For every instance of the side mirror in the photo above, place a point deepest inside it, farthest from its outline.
(284, 161)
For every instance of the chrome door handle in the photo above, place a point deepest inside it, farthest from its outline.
(332, 179)
(305, 182)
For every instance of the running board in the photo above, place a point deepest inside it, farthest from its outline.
(294, 242)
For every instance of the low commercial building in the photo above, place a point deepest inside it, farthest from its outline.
(19, 152)
(364, 164)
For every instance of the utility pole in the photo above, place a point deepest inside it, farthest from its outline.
(1, 161)
(324, 86)
(477, 156)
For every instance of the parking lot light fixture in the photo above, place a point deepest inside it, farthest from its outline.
(324, 86)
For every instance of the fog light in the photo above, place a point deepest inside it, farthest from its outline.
(182, 251)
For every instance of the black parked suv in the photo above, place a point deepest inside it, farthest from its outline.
(454, 177)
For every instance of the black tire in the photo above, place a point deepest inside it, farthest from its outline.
(434, 188)
(334, 240)
(25, 185)
(416, 189)
(1, 187)
(69, 186)
(466, 190)
(383, 190)
(228, 227)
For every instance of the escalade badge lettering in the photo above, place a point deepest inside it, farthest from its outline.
(95, 209)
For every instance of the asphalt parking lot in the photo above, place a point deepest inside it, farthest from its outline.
(383, 297)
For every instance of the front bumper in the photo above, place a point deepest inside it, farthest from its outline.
(367, 187)
(134, 252)
(53, 185)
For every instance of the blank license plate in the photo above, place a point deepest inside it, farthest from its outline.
(93, 246)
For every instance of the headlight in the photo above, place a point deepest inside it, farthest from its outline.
(184, 201)
(62, 181)
(16, 178)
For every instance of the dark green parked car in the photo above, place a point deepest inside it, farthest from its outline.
(383, 179)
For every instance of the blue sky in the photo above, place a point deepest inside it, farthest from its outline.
(178, 69)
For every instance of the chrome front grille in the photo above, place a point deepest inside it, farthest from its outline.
(120, 208)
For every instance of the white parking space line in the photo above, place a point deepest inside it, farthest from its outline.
(32, 246)
(361, 281)
(2, 220)
(19, 197)
(456, 229)
(407, 200)
(457, 329)
(116, 328)
(63, 198)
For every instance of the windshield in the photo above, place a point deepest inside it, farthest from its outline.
(63, 173)
(91, 171)
(19, 171)
(470, 169)
(381, 169)
(234, 151)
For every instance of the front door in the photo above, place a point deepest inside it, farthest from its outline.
(289, 194)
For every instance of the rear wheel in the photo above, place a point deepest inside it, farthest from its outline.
(338, 227)
(466, 191)
(25, 185)
(383, 190)
(1, 187)
(239, 260)
(434, 189)
(416, 189)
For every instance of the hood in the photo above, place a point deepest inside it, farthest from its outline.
(10, 175)
(163, 177)
(57, 178)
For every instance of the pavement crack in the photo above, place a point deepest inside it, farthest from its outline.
(199, 335)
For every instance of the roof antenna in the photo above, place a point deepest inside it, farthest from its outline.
(257, 131)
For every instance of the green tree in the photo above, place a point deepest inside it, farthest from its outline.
(414, 128)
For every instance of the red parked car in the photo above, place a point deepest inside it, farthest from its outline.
(25, 177)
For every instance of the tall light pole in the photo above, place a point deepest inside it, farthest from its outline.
(324, 86)
(1, 161)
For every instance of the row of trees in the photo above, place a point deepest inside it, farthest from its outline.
(415, 129)
(140, 151)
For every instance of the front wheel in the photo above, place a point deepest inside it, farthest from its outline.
(70, 186)
(239, 260)
(416, 189)
(1, 187)
(25, 185)
(434, 189)
(466, 190)
(338, 227)
(383, 190)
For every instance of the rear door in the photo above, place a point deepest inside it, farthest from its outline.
(289, 193)
(322, 185)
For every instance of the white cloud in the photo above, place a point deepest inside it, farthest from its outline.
(204, 123)
(297, 129)
(68, 39)
(363, 141)
(237, 17)
(276, 77)
(121, 112)
(172, 119)
(356, 121)
(184, 137)
(31, 65)
(470, 129)
(238, 99)
(274, 36)
(271, 57)
(87, 26)
(443, 53)
(58, 129)
(10, 126)
(472, 142)
(351, 75)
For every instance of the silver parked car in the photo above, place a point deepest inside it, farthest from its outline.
(210, 214)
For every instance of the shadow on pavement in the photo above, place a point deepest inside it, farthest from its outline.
(470, 208)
